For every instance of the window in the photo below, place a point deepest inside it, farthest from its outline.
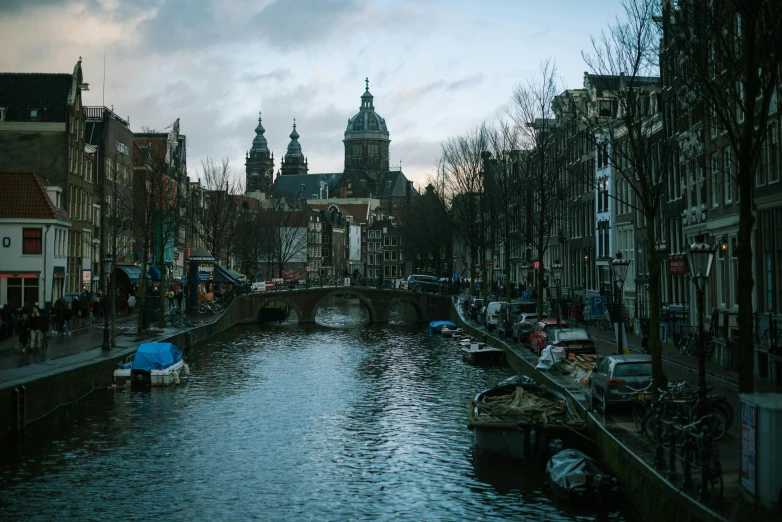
(372, 149)
(107, 174)
(760, 174)
(727, 175)
(371, 234)
(739, 101)
(737, 36)
(378, 234)
(773, 152)
(370, 247)
(31, 241)
(324, 252)
(387, 241)
(604, 108)
(393, 241)
(377, 246)
(716, 180)
(387, 255)
(324, 239)
(357, 148)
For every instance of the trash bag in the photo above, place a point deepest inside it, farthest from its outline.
(550, 356)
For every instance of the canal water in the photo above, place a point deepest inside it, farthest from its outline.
(335, 421)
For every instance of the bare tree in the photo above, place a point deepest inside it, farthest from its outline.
(460, 169)
(541, 161)
(287, 233)
(217, 225)
(622, 120)
(727, 56)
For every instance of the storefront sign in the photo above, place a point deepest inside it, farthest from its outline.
(176, 256)
(749, 430)
(205, 272)
(86, 277)
(677, 266)
(489, 262)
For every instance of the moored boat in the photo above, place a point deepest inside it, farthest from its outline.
(437, 326)
(153, 364)
(450, 332)
(477, 353)
(518, 420)
(575, 477)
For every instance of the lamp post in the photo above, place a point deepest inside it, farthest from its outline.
(556, 271)
(106, 267)
(619, 267)
(700, 258)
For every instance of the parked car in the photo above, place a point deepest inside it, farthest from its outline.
(573, 340)
(538, 337)
(475, 308)
(492, 314)
(522, 326)
(508, 314)
(611, 377)
(423, 283)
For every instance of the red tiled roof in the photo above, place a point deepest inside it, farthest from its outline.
(24, 196)
(156, 147)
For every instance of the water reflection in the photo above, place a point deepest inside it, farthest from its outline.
(339, 420)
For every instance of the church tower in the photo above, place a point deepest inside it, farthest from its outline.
(294, 161)
(259, 163)
(366, 144)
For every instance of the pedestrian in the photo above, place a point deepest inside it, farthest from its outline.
(131, 303)
(97, 309)
(170, 296)
(23, 331)
(179, 297)
(66, 317)
(35, 326)
(645, 344)
(75, 310)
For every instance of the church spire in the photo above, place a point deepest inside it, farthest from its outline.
(259, 143)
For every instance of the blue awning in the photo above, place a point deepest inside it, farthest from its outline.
(153, 273)
(127, 274)
(156, 356)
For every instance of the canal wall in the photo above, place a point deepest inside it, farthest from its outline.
(68, 382)
(651, 494)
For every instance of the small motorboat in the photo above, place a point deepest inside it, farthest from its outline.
(575, 477)
(450, 332)
(477, 353)
(153, 364)
(437, 326)
(517, 420)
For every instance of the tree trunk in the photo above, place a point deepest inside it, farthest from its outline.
(658, 375)
(541, 273)
(746, 348)
(471, 264)
(162, 288)
(507, 272)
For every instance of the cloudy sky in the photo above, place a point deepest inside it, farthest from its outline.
(435, 67)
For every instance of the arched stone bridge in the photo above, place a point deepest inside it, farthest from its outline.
(305, 302)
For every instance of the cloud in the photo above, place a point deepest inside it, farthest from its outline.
(276, 74)
(290, 24)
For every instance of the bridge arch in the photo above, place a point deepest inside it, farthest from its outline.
(275, 298)
(373, 314)
(410, 299)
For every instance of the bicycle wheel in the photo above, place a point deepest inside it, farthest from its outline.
(721, 405)
(640, 411)
(216, 307)
(203, 308)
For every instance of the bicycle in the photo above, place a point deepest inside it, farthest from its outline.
(209, 306)
(642, 403)
(673, 407)
(178, 319)
(692, 452)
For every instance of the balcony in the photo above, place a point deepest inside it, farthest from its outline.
(96, 113)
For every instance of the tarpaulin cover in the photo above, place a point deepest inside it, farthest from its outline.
(156, 356)
(523, 405)
(572, 470)
(436, 326)
(550, 356)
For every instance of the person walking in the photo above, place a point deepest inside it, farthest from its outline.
(35, 326)
(23, 331)
(131, 303)
(170, 296)
(645, 341)
(66, 315)
(180, 295)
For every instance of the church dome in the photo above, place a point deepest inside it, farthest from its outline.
(294, 147)
(367, 123)
(259, 143)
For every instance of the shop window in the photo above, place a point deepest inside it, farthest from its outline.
(32, 241)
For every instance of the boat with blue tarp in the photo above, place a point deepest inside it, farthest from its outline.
(437, 326)
(153, 364)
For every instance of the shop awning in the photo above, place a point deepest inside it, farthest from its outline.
(237, 275)
(127, 274)
(153, 273)
(223, 275)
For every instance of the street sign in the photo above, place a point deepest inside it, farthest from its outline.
(597, 304)
(489, 262)
(176, 256)
(183, 277)
(677, 266)
(525, 296)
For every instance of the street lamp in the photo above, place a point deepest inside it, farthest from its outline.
(700, 258)
(106, 266)
(619, 266)
(556, 271)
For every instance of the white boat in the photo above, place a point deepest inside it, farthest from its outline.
(153, 364)
(449, 332)
(477, 353)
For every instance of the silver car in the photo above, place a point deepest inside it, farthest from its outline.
(614, 374)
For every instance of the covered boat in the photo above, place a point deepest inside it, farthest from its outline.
(437, 326)
(153, 364)
(517, 420)
(573, 476)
